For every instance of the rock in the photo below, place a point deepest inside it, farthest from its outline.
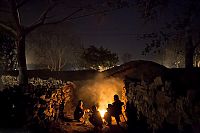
(158, 81)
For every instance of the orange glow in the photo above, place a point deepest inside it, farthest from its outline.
(102, 112)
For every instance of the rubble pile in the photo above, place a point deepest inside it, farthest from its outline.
(158, 103)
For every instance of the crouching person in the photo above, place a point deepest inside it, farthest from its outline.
(79, 111)
(96, 120)
(117, 108)
(108, 114)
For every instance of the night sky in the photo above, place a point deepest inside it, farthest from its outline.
(117, 30)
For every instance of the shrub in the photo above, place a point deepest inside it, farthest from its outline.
(35, 105)
(159, 104)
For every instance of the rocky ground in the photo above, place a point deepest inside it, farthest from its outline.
(72, 126)
(79, 127)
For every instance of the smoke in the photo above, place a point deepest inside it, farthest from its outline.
(100, 91)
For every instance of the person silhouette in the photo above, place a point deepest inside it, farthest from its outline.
(117, 108)
(79, 112)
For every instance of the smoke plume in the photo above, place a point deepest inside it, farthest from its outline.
(100, 91)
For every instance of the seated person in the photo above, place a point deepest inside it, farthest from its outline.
(95, 119)
(79, 112)
(108, 114)
(117, 108)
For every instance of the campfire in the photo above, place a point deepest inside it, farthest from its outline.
(102, 112)
(100, 92)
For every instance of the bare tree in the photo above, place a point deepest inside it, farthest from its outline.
(15, 24)
(52, 53)
(185, 23)
(53, 49)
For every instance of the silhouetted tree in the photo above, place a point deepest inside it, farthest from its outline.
(53, 49)
(13, 19)
(99, 58)
(184, 24)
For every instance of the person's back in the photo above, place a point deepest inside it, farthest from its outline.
(117, 108)
(107, 115)
(79, 112)
(95, 119)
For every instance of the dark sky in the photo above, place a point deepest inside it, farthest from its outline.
(118, 30)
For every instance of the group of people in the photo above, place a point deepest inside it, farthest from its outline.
(114, 109)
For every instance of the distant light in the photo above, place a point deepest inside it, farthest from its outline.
(15, 69)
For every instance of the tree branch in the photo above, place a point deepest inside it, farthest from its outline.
(41, 20)
(43, 17)
(8, 28)
(16, 14)
(65, 18)
(94, 13)
(81, 16)
(21, 3)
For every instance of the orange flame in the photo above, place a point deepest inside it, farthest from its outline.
(102, 112)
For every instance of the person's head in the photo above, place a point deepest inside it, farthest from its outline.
(116, 97)
(80, 103)
(94, 108)
(109, 105)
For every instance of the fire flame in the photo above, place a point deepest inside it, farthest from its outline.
(102, 112)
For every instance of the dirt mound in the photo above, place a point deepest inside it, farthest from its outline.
(139, 69)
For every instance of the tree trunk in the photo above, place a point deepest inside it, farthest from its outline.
(23, 77)
(189, 50)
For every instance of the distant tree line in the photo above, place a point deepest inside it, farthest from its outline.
(12, 12)
(55, 52)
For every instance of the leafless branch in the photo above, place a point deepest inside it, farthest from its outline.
(65, 18)
(43, 17)
(94, 13)
(44, 14)
(70, 17)
(21, 3)
(16, 14)
(41, 20)
(8, 28)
